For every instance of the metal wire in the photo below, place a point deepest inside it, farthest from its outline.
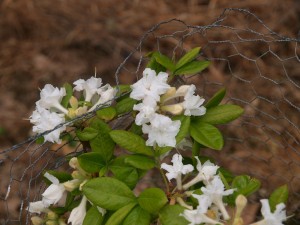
(261, 72)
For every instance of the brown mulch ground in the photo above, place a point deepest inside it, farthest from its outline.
(61, 41)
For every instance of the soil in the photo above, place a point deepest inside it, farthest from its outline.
(61, 41)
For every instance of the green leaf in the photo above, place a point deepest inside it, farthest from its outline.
(136, 129)
(120, 215)
(280, 195)
(125, 105)
(137, 216)
(216, 99)
(140, 162)
(123, 172)
(40, 140)
(102, 143)
(91, 162)
(170, 215)
(192, 68)
(221, 114)
(123, 88)
(164, 61)
(152, 199)
(108, 193)
(184, 128)
(69, 92)
(88, 133)
(107, 114)
(93, 216)
(131, 142)
(154, 65)
(61, 176)
(244, 185)
(188, 57)
(207, 135)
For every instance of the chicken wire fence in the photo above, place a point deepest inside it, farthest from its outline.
(260, 70)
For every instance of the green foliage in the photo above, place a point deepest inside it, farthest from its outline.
(164, 61)
(207, 135)
(120, 215)
(170, 215)
(91, 162)
(102, 143)
(61, 176)
(125, 105)
(192, 68)
(87, 134)
(69, 92)
(216, 99)
(221, 114)
(280, 195)
(131, 142)
(124, 172)
(107, 114)
(188, 57)
(93, 216)
(137, 216)
(152, 199)
(108, 193)
(244, 185)
(140, 161)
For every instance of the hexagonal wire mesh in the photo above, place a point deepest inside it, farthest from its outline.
(260, 70)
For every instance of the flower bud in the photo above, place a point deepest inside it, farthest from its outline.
(52, 215)
(51, 222)
(72, 184)
(73, 102)
(37, 220)
(74, 163)
(61, 222)
(175, 109)
(168, 95)
(240, 202)
(182, 90)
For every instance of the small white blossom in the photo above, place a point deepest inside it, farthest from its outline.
(77, 214)
(90, 87)
(37, 207)
(106, 95)
(193, 103)
(51, 98)
(161, 131)
(207, 171)
(146, 111)
(45, 120)
(150, 85)
(54, 192)
(175, 171)
(275, 218)
(216, 190)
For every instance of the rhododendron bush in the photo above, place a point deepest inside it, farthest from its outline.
(168, 127)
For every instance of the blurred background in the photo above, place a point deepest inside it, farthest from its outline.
(61, 41)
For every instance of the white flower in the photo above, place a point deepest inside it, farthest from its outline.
(51, 98)
(90, 87)
(215, 190)
(36, 207)
(54, 192)
(147, 110)
(198, 216)
(161, 131)
(207, 171)
(150, 85)
(107, 94)
(270, 218)
(192, 103)
(45, 120)
(77, 214)
(177, 169)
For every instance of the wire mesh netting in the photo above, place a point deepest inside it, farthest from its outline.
(260, 70)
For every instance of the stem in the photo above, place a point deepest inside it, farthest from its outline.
(165, 180)
(191, 183)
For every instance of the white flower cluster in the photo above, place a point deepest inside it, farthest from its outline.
(154, 92)
(55, 193)
(210, 201)
(50, 113)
